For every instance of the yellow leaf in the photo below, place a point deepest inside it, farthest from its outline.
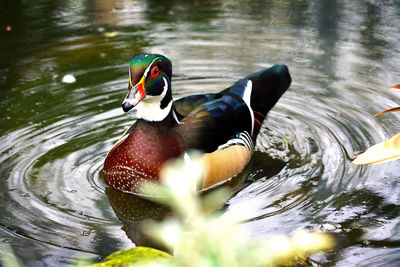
(382, 152)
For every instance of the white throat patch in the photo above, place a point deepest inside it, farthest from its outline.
(149, 108)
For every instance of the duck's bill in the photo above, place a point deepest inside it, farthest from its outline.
(135, 95)
(382, 152)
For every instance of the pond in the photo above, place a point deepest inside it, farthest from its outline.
(343, 57)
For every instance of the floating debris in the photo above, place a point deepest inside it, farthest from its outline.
(110, 34)
(330, 227)
(69, 78)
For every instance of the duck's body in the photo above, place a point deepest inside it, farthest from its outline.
(224, 126)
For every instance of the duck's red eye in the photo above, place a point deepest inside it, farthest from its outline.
(154, 72)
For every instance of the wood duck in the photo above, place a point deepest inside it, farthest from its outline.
(223, 126)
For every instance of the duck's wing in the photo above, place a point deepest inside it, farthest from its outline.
(188, 104)
(212, 120)
(225, 125)
(219, 125)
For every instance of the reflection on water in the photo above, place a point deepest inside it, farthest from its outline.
(54, 136)
(134, 211)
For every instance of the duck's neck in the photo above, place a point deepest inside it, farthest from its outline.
(158, 109)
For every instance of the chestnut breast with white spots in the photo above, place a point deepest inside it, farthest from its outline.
(140, 156)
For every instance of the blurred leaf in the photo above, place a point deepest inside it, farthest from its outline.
(138, 256)
(7, 256)
(396, 87)
(382, 152)
(387, 111)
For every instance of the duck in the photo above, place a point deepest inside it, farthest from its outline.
(222, 126)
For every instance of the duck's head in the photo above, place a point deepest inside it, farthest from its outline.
(149, 86)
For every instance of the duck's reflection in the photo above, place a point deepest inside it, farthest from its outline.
(134, 211)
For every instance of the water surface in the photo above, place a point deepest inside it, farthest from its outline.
(342, 56)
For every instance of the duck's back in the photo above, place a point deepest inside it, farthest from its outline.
(211, 120)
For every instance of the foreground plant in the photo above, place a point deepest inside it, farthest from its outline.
(138, 257)
(197, 236)
(384, 151)
(7, 256)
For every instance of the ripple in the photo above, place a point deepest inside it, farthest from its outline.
(55, 195)
(317, 143)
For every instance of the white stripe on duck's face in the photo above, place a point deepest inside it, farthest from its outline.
(150, 109)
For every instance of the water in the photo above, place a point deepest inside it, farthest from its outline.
(343, 56)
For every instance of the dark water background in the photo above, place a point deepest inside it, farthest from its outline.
(343, 57)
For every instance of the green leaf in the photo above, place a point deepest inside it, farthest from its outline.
(138, 256)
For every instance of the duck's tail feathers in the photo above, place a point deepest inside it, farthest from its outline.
(267, 87)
